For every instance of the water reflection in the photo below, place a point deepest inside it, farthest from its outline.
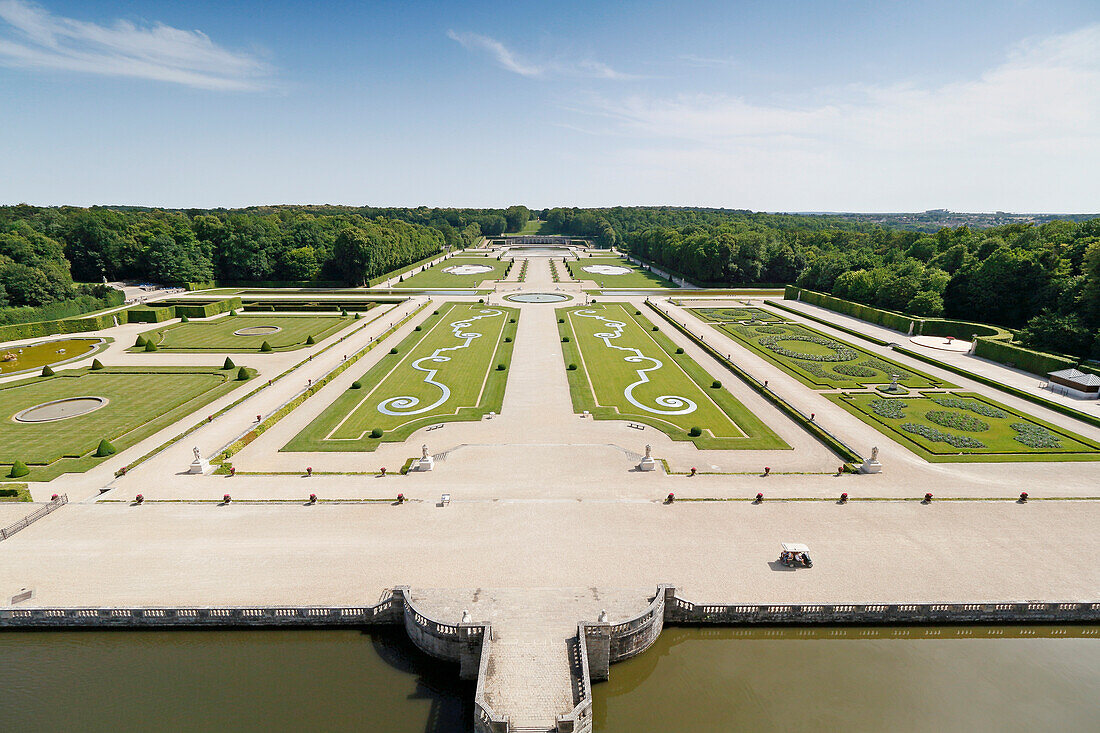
(274, 680)
(857, 679)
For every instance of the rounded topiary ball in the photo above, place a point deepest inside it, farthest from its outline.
(357, 385)
(376, 433)
(501, 367)
(572, 367)
(695, 432)
(393, 350)
(716, 384)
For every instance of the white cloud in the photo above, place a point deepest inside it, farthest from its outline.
(513, 62)
(1025, 130)
(35, 38)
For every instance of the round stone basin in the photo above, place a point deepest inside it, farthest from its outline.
(61, 409)
(537, 298)
(257, 330)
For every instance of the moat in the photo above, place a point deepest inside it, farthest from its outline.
(856, 679)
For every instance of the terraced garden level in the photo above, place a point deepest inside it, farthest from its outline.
(457, 272)
(620, 368)
(449, 370)
(961, 426)
(615, 272)
(139, 401)
(245, 332)
(823, 362)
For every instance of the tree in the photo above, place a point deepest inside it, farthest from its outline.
(926, 303)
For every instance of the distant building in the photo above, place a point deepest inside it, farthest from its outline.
(1074, 383)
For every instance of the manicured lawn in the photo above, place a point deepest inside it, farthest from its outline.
(36, 356)
(437, 276)
(823, 362)
(636, 277)
(219, 335)
(532, 226)
(736, 314)
(445, 372)
(140, 402)
(966, 427)
(627, 371)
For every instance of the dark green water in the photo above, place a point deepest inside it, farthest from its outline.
(940, 679)
(982, 679)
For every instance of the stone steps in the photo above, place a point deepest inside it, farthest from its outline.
(530, 680)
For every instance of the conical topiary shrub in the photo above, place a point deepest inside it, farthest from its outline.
(265, 347)
(18, 470)
(150, 346)
(242, 375)
(46, 371)
(228, 363)
(96, 365)
(184, 319)
(140, 342)
(310, 341)
(105, 449)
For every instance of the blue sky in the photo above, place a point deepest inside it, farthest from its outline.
(791, 106)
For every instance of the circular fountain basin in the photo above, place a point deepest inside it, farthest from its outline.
(61, 409)
(537, 298)
(606, 269)
(257, 330)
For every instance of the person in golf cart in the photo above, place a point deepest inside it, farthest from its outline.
(795, 553)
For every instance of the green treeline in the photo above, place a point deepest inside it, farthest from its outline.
(1041, 279)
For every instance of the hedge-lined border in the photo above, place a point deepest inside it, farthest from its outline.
(402, 270)
(1024, 456)
(830, 441)
(981, 379)
(266, 424)
(492, 398)
(341, 323)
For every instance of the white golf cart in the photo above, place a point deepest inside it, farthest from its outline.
(794, 554)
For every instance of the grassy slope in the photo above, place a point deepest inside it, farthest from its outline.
(217, 336)
(727, 424)
(636, 278)
(795, 369)
(142, 401)
(477, 386)
(434, 277)
(999, 438)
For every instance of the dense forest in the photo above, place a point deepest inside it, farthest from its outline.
(1041, 279)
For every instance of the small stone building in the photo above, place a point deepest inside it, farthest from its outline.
(1074, 383)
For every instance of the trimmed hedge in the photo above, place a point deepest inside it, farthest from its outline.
(15, 315)
(889, 319)
(150, 314)
(64, 326)
(205, 310)
(1035, 362)
(382, 278)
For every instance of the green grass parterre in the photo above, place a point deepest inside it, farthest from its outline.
(962, 426)
(823, 362)
(470, 374)
(735, 314)
(218, 335)
(141, 402)
(603, 378)
(636, 278)
(437, 277)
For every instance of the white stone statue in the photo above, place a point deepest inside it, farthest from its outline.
(874, 453)
(197, 452)
(648, 450)
(200, 465)
(648, 464)
(424, 450)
